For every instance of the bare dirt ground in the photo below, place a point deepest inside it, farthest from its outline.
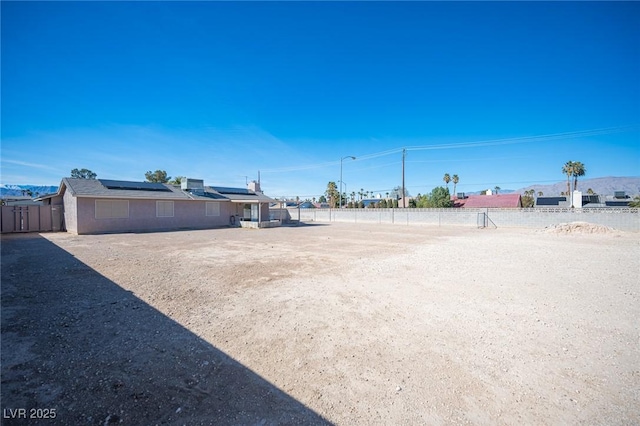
(317, 324)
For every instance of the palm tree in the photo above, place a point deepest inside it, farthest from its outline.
(497, 188)
(567, 169)
(361, 193)
(455, 179)
(527, 199)
(447, 179)
(353, 196)
(578, 170)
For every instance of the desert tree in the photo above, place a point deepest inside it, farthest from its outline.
(159, 176)
(83, 174)
(527, 199)
(455, 179)
(590, 191)
(332, 194)
(567, 169)
(440, 197)
(446, 179)
(578, 170)
(497, 189)
(396, 193)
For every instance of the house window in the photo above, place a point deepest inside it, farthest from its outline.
(213, 209)
(112, 209)
(164, 208)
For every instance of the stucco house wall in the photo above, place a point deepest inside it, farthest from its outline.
(70, 204)
(143, 217)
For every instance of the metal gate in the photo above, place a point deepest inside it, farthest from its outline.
(30, 218)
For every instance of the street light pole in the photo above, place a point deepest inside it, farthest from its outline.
(353, 158)
(345, 190)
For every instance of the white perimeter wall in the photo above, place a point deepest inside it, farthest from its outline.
(625, 219)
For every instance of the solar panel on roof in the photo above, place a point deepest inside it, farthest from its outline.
(136, 186)
(549, 201)
(237, 191)
(211, 195)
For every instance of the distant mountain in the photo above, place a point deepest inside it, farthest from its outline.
(601, 186)
(16, 190)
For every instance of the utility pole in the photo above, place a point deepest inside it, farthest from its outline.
(404, 154)
(353, 158)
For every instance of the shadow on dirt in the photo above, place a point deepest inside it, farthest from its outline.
(303, 224)
(77, 346)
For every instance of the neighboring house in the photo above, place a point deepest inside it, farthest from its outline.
(588, 201)
(20, 201)
(367, 201)
(560, 201)
(93, 206)
(404, 202)
(490, 201)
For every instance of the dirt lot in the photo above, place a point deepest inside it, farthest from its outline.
(322, 324)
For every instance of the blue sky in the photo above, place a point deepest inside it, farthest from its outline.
(501, 94)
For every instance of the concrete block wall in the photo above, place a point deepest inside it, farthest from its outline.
(624, 219)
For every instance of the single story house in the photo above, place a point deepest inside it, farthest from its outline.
(558, 201)
(19, 201)
(489, 201)
(588, 201)
(93, 206)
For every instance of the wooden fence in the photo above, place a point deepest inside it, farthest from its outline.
(31, 219)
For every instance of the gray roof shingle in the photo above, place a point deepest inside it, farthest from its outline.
(124, 189)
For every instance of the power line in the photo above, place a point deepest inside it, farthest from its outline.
(477, 144)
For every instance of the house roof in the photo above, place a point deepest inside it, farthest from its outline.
(459, 202)
(493, 201)
(550, 201)
(104, 188)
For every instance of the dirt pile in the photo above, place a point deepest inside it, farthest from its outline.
(579, 228)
